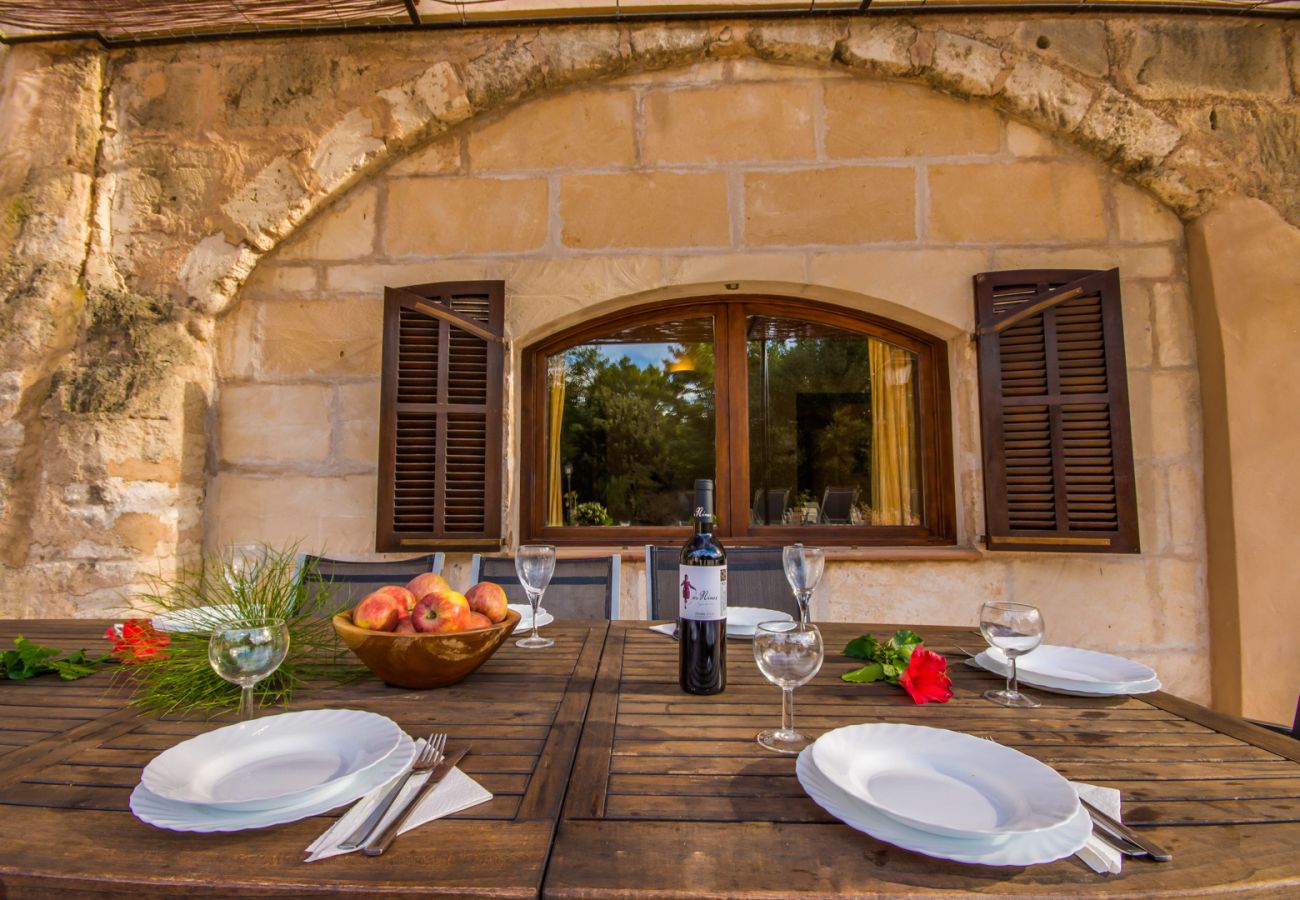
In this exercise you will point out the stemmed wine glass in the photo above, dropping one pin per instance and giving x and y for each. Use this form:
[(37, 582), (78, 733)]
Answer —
[(535, 564), (241, 564), (803, 569), (788, 654), (1015, 629), (246, 652)]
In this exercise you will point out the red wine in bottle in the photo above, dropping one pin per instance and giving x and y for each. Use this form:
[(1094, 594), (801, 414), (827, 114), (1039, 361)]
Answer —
[(702, 619)]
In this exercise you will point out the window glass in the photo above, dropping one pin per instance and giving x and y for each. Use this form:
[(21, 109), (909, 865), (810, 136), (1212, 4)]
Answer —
[(833, 426), (630, 425)]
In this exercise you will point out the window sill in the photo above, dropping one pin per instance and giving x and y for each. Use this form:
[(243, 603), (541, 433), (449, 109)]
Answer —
[(633, 553)]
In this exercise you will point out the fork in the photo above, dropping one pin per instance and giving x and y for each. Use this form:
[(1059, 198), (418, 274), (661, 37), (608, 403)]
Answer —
[(429, 756)]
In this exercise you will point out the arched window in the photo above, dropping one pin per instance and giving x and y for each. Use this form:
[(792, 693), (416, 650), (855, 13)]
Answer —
[(817, 424)]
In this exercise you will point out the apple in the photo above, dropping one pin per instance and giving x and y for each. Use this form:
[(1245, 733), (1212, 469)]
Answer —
[(400, 593), (440, 613), (488, 599), (378, 611), (426, 583), (478, 620), (406, 626)]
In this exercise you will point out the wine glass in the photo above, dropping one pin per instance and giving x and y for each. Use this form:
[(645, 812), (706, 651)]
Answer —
[(788, 654), (535, 564), (241, 564), (246, 652), (803, 569), (1015, 629)]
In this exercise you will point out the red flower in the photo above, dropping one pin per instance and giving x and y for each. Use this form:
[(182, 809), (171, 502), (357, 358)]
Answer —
[(138, 642), (926, 677)]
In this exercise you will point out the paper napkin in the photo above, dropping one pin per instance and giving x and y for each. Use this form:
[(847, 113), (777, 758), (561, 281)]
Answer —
[(1099, 855), (667, 628), (457, 791)]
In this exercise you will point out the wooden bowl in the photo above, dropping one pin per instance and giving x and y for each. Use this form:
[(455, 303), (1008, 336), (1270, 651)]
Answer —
[(423, 660)]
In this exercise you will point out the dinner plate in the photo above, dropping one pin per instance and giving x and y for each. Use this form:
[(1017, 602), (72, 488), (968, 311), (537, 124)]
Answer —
[(163, 813), (743, 621), (1074, 670), (1014, 850), (198, 619), (526, 616), (272, 761), (945, 782)]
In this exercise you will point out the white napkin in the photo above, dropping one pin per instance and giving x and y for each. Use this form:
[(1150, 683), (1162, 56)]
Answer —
[(457, 791), (667, 628), (1099, 855)]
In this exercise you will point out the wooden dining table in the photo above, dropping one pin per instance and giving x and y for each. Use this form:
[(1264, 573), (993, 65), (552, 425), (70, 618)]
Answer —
[(609, 781)]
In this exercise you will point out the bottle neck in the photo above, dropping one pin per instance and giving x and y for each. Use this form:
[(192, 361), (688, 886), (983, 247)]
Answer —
[(703, 524)]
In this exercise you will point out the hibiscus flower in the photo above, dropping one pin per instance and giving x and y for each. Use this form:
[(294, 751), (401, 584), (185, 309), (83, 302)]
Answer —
[(926, 677), (138, 642)]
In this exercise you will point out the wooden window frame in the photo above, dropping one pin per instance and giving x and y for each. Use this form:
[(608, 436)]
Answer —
[(732, 434)]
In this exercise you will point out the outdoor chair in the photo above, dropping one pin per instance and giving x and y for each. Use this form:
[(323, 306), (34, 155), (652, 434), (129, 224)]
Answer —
[(755, 577), (586, 588), (1293, 731), (774, 513), (336, 584), (837, 505)]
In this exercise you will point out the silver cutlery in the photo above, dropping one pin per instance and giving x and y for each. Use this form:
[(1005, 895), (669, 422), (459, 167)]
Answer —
[(379, 843), (428, 757), (1120, 830)]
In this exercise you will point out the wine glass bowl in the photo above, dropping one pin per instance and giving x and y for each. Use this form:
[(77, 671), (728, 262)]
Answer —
[(244, 653), (789, 654), (803, 570), (1015, 629), (535, 564)]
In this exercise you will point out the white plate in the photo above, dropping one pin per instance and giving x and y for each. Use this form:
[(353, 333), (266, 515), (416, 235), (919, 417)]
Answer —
[(743, 621), (273, 761), (163, 813), (1075, 670), (1020, 850), (945, 782), (198, 619), (526, 616)]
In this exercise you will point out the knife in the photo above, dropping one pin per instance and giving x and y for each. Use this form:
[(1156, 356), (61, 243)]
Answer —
[(1119, 829), (379, 843)]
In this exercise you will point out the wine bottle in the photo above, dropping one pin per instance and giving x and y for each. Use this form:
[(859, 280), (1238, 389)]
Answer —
[(702, 618)]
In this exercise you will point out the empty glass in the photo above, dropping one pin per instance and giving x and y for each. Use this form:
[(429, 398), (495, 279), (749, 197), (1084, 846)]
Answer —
[(1015, 629), (788, 654), (240, 566), (803, 569), (247, 652), (535, 564)]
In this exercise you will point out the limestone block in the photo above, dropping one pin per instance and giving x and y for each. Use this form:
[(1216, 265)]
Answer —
[(1025, 141), (356, 422), (345, 149), (1175, 410), (1175, 337), (273, 280), (1186, 510), (659, 45), (866, 118), (582, 129), (709, 71), (1079, 44), (1112, 588), (710, 267), (442, 157), (504, 73), (934, 282), (1051, 258), (546, 295), (166, 96), (1185, 60), (142, 532), (806, 42), (1180, 587), (744, 70), (1183, 673), (949, 593), (965, 65), (843, 205), (432, 216), (1016, 202), (1146, 262), (1140, 217), (327, 515), (269, 205), (879, 46), (237, 342), (1124, 130), (660, 209), (1044, 94), (347, 281), (322, 337), (729, 122), (342, 231), (213, 270), (274, 423), (164, 471), (433, 101), (573, 55), (1139, 332), (1140, 414), (1153, 508)]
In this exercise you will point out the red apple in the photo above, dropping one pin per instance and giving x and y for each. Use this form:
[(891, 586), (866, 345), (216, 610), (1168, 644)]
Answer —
[(426, 583), (400, 593), (489, 599), (437, 613), (478, 620), (378, 611), (406, 626)]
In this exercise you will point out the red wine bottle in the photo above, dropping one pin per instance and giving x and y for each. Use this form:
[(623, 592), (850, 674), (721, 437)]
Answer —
[(702, 619)]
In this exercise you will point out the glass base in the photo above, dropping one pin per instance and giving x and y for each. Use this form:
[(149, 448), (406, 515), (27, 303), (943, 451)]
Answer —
[(780, 741), (534, 643), (1012, 698)]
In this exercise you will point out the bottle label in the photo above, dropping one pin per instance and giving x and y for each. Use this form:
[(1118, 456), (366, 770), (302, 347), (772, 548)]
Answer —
[(703, 592)]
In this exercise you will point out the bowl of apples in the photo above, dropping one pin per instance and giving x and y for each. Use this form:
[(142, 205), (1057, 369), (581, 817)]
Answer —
[(424, 634)]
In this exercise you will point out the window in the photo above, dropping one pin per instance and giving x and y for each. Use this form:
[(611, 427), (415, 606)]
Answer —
[(816, 424)]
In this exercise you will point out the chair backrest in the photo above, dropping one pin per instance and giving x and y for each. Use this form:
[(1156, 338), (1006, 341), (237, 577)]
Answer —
[(837, 505), (755, 577), (777, 501), (584, 588), (336, 584)]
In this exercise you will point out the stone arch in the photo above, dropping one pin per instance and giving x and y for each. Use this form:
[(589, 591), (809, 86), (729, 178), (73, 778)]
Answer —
[(1134, 138)]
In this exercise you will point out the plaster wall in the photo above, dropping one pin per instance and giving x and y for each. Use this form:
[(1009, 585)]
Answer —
[(882, 196)]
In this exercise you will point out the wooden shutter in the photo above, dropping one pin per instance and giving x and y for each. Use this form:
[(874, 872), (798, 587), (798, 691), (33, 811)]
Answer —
[(440, 456), (1054, 412)]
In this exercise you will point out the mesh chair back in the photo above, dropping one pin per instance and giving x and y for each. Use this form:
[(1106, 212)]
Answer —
[(755, 577), (837, 505), (579, 589), (337, 584)]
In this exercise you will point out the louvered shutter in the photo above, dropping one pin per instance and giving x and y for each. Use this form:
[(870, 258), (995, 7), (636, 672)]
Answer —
[(1054, 412), (440, 456)]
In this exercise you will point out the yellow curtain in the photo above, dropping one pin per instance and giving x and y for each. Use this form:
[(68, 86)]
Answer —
[(895, 470), (555, 408)]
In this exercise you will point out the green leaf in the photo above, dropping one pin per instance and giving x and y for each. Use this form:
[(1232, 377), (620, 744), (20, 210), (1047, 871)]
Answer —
[(865, 675), (75, 665), (905, 639), (862, 647), (891, 671)]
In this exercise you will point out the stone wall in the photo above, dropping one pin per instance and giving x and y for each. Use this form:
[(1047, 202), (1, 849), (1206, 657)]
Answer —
[(882, 196)]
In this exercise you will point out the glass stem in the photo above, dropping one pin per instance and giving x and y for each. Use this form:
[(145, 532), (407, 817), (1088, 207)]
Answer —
[(1013, 684), (535, 600), (787, 710), (246, 703), (805, 598)]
